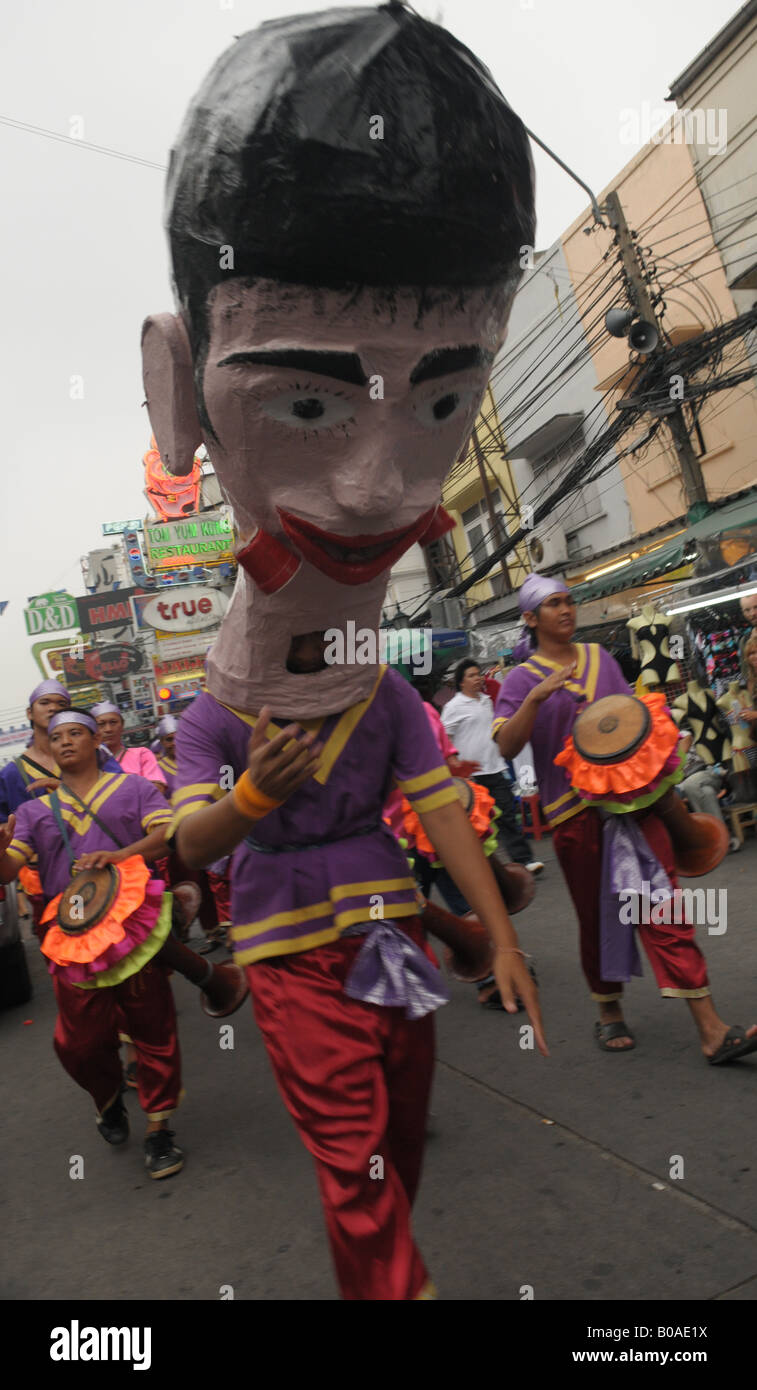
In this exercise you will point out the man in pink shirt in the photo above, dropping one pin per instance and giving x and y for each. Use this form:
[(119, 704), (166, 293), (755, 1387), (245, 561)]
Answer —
[(110, 726)]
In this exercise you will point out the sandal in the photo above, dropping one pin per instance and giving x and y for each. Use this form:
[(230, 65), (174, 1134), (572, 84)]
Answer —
[(735, 1044), (605, 1032)]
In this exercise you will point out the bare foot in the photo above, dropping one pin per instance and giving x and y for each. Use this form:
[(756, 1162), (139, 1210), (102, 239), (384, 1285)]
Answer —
[(717, 1036), (613, 1013)]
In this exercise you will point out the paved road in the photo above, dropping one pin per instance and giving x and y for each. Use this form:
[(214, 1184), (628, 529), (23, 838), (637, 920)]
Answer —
[(549, 1173)]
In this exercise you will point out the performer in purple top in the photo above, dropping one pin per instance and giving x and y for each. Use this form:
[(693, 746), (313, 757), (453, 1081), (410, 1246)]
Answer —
[(334, 366), (96, 818), (538, 703)]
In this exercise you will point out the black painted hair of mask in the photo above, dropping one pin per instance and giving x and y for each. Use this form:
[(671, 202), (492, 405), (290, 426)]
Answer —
[(275, 165), (461, 669)]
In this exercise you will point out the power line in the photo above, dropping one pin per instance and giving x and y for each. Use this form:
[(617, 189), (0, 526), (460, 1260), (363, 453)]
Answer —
[(80, 144)]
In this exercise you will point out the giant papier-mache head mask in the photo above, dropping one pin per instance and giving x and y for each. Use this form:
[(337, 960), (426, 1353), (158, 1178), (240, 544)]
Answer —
[(347, 206)]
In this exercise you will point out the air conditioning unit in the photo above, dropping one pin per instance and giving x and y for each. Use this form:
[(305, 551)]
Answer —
[(547, 548)]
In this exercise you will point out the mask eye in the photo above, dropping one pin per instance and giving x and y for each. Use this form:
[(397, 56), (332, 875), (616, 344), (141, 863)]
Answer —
[(444, 407), (306, 409)]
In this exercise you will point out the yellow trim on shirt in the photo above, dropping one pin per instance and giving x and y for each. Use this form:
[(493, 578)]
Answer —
[(339, 736), (387, 885), (552, 805), (210, 790), (445, 797), (281, 919), (592, 674), (342, 920), (18, 849), (565, 815), (74, 815), (344, 730), (426, 779)]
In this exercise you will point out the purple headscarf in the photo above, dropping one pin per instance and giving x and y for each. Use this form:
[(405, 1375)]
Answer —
[(106, 707), (533, 591), (72, 716), (50, 687)]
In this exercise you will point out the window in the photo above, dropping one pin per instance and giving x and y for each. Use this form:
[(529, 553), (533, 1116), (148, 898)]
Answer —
[(477, 526)]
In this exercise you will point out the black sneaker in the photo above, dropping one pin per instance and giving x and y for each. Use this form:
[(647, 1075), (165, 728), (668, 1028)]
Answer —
[(162, 1157), (113, 1124)]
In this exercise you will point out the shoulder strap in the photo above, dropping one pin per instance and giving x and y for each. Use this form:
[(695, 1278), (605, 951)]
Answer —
[(55, 807), (88, 810), (43, 771)]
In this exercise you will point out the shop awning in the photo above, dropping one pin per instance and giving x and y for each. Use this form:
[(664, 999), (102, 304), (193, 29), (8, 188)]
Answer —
[(634, 573), (741, 512)]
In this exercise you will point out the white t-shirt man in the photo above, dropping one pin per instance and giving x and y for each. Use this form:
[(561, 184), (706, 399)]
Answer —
[(468, 721)]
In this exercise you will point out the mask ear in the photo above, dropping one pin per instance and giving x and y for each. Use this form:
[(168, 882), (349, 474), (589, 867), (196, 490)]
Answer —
[(168, 379)]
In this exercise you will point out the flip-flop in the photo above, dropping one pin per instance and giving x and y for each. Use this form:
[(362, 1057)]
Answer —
[(729, 1050), (605, 1032)]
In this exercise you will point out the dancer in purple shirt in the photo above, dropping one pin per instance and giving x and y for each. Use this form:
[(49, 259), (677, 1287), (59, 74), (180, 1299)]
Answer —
[(538, 703)]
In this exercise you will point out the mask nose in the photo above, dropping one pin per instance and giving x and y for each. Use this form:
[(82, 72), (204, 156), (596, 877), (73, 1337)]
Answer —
[(368, 489)]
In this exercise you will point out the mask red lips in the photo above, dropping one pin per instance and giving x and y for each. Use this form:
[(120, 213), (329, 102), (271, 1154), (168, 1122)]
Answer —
[(352, 559)]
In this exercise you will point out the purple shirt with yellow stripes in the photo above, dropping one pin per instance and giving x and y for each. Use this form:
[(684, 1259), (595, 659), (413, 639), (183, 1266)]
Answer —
[(597, 674), (323, 860), (125, 802)]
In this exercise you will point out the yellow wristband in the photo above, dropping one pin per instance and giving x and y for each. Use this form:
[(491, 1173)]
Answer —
[(251, 802)]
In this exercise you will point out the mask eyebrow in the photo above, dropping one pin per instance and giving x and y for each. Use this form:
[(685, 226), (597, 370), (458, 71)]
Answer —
[(444, 361), (343, 366)]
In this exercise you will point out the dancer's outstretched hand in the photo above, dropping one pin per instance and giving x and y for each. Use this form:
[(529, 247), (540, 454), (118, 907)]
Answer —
[(513, 979), (280, 765)]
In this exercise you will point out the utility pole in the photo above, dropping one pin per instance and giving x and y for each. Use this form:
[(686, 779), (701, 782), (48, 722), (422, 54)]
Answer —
[(691, 472), (494, 520)]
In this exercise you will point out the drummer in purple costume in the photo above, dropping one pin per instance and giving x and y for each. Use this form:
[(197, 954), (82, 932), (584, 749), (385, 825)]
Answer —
[(539, 702), (91, 804)]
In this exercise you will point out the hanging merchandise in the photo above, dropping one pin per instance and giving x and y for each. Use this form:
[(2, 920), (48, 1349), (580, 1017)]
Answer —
[(698, 711), (650, 643)]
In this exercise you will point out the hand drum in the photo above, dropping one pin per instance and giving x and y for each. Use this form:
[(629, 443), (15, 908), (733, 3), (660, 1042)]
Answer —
[(88, 897)]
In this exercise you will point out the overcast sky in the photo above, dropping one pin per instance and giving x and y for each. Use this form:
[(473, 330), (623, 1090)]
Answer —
[(83, 250)]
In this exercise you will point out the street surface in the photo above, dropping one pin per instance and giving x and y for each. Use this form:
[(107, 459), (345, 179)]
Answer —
[(553, 1174)]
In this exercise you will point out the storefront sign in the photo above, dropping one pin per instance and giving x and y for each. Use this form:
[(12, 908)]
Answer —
[(98, 611), (117, 528), (192, 644), (50, 613), (203, 539), (178, 669), (109, 663), (185, 609)]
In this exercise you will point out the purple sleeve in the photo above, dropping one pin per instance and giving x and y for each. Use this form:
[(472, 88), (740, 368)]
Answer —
[(421, 773), (512, 693), (201, 759), (153, 808), (23, 846)]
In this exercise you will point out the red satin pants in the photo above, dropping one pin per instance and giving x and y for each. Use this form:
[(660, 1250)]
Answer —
[(356, 1079), (679, 967), (86, 1039)]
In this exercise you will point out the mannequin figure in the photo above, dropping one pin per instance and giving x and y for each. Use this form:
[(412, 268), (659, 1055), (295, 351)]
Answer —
[(697, 709), (650, 634)]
